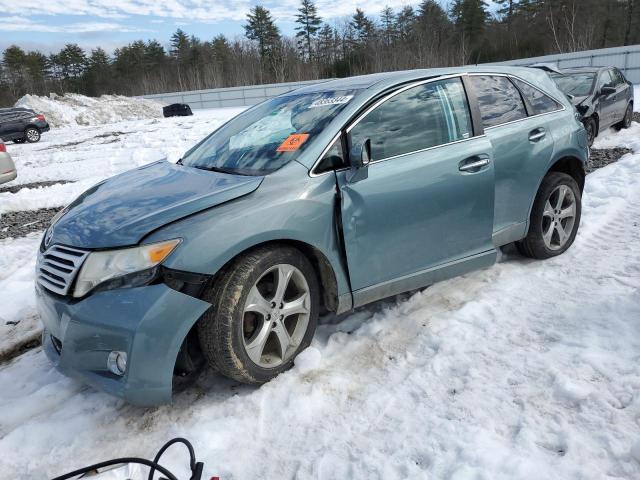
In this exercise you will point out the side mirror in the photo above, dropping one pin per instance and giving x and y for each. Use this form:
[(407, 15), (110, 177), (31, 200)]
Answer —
[(604, 91), (360, 155)]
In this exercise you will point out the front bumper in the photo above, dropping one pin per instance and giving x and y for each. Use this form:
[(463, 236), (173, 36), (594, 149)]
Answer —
[(149, 323)]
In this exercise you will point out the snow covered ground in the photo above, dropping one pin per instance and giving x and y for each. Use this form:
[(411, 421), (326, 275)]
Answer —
[(526, 370)]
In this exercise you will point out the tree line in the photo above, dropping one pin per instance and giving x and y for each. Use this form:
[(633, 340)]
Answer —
[(428, 35)]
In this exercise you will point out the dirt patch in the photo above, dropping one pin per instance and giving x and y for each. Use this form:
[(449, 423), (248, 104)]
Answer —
[(17, 188), (19, 224), (602, 157)]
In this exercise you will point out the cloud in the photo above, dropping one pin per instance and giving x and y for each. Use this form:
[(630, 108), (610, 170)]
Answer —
[(22, 24), (207, 11)]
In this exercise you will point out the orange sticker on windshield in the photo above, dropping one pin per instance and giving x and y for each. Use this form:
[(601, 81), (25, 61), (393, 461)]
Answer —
[(292, 142)]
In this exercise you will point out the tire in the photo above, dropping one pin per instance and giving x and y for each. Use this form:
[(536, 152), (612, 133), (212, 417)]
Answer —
[(18, 140), (32, 134), (242, 334), (548, 214), (626, 121), (591, 127)]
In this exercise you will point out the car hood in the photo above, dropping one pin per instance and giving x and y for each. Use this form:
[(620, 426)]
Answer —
[(124, 209)]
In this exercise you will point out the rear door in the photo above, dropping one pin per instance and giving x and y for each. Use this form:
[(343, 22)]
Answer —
[(426, 198), (522, 145)]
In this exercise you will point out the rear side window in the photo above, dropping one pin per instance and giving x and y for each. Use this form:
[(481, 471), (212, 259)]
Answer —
[(498, 99), (540, 103), (421, 117)]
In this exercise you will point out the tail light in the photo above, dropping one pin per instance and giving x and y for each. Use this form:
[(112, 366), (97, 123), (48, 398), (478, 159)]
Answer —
[(40, 117), (3, 148)]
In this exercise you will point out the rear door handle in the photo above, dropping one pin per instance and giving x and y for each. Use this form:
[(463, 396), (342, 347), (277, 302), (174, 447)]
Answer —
[(474, 164), (537, 135)]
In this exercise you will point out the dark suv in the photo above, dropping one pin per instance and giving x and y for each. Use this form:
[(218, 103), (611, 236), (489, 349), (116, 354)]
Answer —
[(602, 96), (21, 124)]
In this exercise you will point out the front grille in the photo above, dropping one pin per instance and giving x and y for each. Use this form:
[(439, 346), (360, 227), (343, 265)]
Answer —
[(58, 266)]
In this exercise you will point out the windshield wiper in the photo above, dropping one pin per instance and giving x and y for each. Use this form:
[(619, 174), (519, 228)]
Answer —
[(218, 169)]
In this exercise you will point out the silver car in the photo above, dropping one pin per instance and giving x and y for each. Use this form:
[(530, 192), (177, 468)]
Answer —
[(7, 168)]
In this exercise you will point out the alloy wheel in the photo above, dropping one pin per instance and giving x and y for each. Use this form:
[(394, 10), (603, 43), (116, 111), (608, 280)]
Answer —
[(276, 316), (628, 115), (33, 135), (559, 217)]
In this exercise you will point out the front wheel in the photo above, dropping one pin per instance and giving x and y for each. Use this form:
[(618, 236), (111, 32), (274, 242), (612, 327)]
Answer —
[(626, 121), (32, 134), (264, 312), (591, 127), (555, 217)]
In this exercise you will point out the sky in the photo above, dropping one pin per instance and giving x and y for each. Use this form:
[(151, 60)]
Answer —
[(47, 25)]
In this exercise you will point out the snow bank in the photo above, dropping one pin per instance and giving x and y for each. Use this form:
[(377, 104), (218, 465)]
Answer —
[(74, 109)]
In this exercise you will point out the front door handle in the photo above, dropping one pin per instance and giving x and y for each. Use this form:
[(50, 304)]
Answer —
[(537, 135), (474, 164)]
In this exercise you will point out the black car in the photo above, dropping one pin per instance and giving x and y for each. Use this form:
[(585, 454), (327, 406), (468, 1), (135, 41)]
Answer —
[(21, 124), (177, 110), (602, 96)]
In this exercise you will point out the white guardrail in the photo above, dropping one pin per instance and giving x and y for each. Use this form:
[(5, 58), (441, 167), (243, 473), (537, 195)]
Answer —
[(627, 59)]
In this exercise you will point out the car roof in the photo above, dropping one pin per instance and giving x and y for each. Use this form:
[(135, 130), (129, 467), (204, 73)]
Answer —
[(582, 69), (15, 109), (380, 81)]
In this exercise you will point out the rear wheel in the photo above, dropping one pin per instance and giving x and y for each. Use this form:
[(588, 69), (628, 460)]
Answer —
[(32, 134), (555, 217), (626, 121), (591, 127), (264, 312)]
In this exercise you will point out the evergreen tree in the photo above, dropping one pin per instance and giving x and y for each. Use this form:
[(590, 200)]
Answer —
[(261, 28), (388, 25), (363, 27), (179, 44), (308, 26), (470, 17), (405, 22)]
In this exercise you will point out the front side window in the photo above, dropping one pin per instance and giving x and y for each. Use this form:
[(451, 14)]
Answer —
[(574, 84), (498, 99), (421, 117), (617, 76), (540, 103), (268, 136), (606, 80)]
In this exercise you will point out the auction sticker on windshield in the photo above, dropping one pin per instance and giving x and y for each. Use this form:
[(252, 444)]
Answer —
[(331, 101), (293, 142)]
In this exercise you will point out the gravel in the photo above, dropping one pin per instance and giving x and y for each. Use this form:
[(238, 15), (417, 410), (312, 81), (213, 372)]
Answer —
[(17, 188), (19, 224), (602, 157)]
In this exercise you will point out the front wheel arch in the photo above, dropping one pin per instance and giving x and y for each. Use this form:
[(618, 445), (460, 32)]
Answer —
[(321, 265)]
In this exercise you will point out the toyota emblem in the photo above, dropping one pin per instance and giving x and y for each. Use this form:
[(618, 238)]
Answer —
[(47, 237)]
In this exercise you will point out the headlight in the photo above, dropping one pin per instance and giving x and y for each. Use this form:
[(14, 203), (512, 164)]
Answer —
[(102, 266)]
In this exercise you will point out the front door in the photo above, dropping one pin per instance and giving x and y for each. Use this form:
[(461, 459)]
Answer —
[(607, 101), (427, 197)]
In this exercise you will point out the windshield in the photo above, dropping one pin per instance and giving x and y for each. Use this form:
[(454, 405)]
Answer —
[(268, 136), (575, 84)]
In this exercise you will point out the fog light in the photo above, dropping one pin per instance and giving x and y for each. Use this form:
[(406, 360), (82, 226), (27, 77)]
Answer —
[(117, 362)]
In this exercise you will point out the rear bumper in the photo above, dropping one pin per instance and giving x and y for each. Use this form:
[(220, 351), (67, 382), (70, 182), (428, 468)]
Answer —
[(148, 323), (8, 176)]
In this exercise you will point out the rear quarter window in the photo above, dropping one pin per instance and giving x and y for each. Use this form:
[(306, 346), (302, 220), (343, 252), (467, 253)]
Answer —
[(499, 100), (539, 102)]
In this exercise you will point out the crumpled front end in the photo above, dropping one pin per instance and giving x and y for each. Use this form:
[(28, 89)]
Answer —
[(147, 323)]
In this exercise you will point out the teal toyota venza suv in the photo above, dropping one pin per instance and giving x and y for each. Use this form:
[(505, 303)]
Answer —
[(320, 200)]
